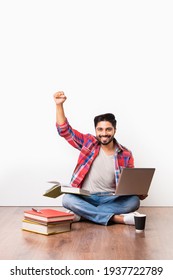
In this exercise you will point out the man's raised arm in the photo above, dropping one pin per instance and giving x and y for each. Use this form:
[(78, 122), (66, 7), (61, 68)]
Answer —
[(59, 98), (74, 137)]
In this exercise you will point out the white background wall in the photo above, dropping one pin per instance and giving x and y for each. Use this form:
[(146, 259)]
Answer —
[(108, 56)]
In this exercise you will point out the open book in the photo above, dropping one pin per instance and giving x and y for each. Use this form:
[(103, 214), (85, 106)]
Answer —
[(59, 189)]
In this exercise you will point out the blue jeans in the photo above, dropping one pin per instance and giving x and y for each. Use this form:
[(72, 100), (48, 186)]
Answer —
[(100, 208)]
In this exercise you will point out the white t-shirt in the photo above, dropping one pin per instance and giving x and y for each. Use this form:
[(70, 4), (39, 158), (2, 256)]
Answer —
[(101, 176)]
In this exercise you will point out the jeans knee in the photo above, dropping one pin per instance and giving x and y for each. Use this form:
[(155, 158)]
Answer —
[(133, 204), (66, 200)]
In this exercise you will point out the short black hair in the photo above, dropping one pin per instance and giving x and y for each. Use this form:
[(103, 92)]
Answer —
[(105, 117)]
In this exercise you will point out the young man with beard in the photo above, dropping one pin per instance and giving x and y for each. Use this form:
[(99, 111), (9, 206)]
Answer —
[(98, 168)]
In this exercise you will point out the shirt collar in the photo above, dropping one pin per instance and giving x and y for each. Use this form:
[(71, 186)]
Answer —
[(119, 148)]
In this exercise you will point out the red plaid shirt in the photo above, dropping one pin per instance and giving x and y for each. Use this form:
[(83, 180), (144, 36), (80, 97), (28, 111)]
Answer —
[(89, 148)]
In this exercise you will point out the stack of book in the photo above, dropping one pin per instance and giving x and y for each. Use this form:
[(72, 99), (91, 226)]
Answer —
[(47, 221)]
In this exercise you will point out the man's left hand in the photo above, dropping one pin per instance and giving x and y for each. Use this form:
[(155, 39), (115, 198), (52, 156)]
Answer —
[(142, 197)]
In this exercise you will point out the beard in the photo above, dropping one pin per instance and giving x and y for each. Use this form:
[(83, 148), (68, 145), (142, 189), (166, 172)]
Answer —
[(106, 139)]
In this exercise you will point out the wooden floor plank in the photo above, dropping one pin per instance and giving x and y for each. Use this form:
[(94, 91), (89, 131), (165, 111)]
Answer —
[(88, 241)]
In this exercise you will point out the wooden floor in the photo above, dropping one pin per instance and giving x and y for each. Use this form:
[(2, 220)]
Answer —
[(88, 241)]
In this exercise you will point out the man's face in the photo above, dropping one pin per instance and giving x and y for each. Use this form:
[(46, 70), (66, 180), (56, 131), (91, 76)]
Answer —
[(105, 132)]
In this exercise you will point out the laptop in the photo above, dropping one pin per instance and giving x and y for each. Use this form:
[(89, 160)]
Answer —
[(134, 181)]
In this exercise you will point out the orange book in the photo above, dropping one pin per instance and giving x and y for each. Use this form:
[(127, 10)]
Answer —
[(48, 215)]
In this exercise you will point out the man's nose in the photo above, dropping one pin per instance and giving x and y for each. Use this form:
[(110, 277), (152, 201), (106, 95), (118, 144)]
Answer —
[(104, 132)]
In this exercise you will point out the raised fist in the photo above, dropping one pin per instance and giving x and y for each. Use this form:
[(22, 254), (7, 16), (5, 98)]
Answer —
[(59, 97)]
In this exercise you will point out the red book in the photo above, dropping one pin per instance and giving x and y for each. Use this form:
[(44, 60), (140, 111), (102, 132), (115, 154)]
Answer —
[(48, 215)]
